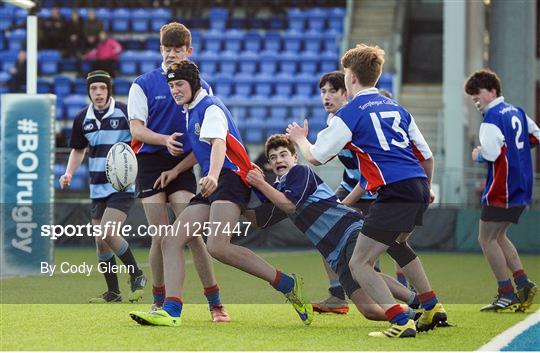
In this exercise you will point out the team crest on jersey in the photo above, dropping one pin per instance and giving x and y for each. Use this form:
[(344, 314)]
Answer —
[(114, 123), (88, 126), (197, 129)]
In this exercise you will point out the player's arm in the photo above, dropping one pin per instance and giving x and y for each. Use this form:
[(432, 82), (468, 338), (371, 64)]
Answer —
[(256, 179), (491, 142), (167, 176), (329, 142), (422, 152), (354, 196), (534, 132), (75, 160)]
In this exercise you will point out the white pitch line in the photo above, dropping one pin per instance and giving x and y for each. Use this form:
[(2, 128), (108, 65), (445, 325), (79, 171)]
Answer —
[(503, 339)]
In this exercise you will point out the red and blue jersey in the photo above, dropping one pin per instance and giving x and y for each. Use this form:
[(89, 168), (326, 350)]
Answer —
[(208, 118), (150, 101), (382, 135), (506, 136)]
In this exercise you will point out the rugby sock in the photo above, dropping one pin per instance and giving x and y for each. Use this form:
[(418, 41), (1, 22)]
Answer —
[(520, 278), (212, 295), (337, 291), (413, 301), (159, 295), (283, 282), (173, 306), (506, 288), (396, 315), (106, 261), (125, 254), (400, 276), (428, 300)]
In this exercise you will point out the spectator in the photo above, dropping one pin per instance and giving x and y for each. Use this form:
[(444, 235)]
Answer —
[(53, 29), (17, 81), (74, 32), (91, 29), (105, 54)]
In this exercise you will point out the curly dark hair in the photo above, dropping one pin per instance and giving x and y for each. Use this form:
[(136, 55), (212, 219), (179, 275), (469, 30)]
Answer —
[(279, 140), (484, 78)]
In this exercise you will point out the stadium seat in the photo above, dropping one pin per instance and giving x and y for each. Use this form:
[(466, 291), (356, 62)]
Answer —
[(121, 86), (212, 40), (105, 15), (44, 12), (128, 62), (252, 41), (331, 41), (278, 111), (74, 103), (236, 23), (272, 42), (62, 85), (305, 84), (243, 86), (296, 19), (9, 58), (386, 82), (313, 41), (253, 130), (275, 126), (48, 61), (329, 62), (4, 77), (268, 62), (256, 23), (277, 23), (160, 16), (263, 85), (316, 19), (287, 63), (284, 85), (6, 18), (149, 60), (80, 86), (258, 111), (16, 39), (2, 42), (233, 41), (152, 43), (120, 20), (196, 41), (248, 63), (83, 13), (227, 62), (336, 18), (292, 41), (309, 62), (140, 20), (208, 62), (239, 112), (20, 16), (218, 18), (70, 64)]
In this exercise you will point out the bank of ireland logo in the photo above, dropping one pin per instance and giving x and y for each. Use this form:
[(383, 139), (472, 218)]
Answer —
[(114, 123), (197, 129)]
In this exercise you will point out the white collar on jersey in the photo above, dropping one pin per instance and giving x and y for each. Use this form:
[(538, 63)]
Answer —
[(493, 103), (163, 67), (202, 93), (366, 91), (90, 113)]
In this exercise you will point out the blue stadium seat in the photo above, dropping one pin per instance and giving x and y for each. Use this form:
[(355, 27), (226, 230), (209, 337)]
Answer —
[(252, 41), (74, 103), (121, 86), (6, 17), (248, 63), (152, 43), (80, 86), (149, 60), (263, 85), (120, 20), (313, 41), (335, 19), (284, 85), (234, 40), (277, 23), (293, 41), (258, 111), (140, 20), (316, 19), (309, 62), (20, 16), (60, 107), (128, 63), (253, 130), (160, 16), (9, 58), (236, 23), (4, 77), (16, 39), (278, 111), (83, 13), (268, 62), (296, 19), (105, 15), (2, 42), (272, 42), (238, 111), (65, 12), (305, 85), (255, 23), (208, 62), (197, 41), (287, 63), (212, 40), (275, 126), (227, 62), (243, 86), (329, 61), (62, 85), (218, 18), (44, 12), (48, 61), (386, 82), (70, 64)]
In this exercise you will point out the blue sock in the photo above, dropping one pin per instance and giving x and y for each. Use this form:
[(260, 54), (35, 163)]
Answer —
[(396, 315), (520, 278), (506, 288), (283, 282), (173, 306), (402, 279), (212, 295), (428, 300)]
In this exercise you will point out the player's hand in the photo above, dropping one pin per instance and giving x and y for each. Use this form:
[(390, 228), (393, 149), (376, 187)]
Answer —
[(174, 147), (256, 167), (432, 196), (164, 179), (65, 181), (347, 201), (475, 152), (208, 185), (297, 132), (255, 177)]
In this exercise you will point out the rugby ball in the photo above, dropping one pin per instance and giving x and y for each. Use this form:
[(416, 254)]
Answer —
[(121, 166)]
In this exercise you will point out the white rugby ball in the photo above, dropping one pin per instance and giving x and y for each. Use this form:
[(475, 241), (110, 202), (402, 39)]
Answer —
[(121, 166)]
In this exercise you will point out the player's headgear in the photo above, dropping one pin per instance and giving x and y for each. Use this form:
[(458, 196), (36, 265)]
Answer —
[(188, 71), (99, 76)]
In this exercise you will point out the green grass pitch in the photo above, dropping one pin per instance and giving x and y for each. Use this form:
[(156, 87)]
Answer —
[(49, 313)]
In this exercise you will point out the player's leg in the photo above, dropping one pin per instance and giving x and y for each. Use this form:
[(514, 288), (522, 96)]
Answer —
[(506, 299), (400, 275), (526, 290), (336, 302), (155, 209), (202, 261)]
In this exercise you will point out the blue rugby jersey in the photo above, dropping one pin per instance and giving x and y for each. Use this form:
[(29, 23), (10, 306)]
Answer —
[(326, 222), (506, 135), (99, 136), (383, 136), (207, 117), (150, 100)]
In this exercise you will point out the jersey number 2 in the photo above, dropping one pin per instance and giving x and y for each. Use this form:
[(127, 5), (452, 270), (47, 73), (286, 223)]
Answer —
[(395, 126), (516, 123)]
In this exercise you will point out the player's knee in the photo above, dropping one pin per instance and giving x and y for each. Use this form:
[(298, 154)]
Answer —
[(216, 250), (402, 253)]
